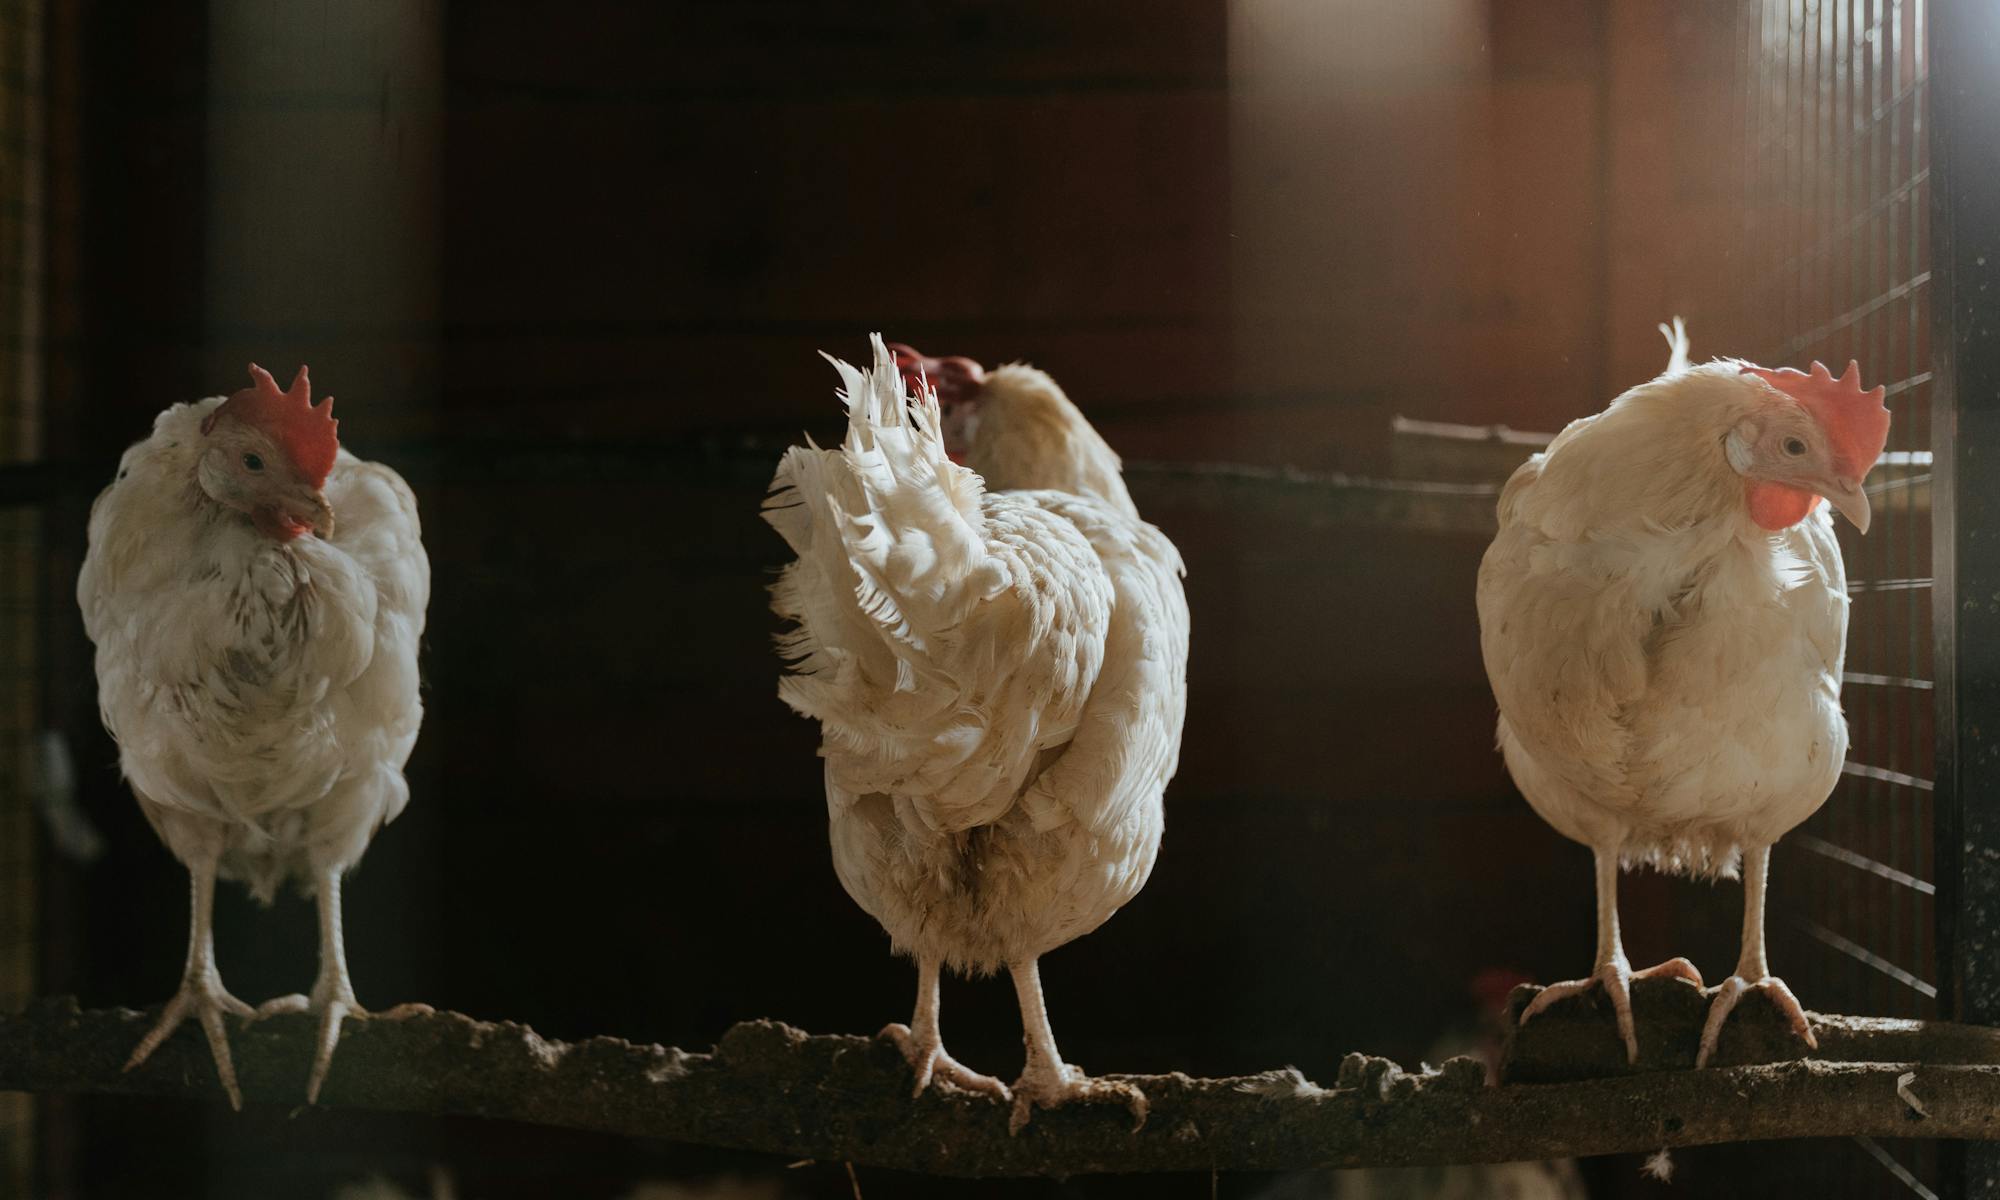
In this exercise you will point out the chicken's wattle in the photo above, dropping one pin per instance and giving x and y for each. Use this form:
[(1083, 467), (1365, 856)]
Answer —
[(1777, 506)]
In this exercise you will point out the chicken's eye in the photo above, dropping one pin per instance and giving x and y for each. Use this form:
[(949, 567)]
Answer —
[(1794, 446), (253, 462)]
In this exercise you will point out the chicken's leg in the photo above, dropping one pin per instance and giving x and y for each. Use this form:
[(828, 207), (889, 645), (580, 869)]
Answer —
[(201, 994), (922, 1043), (1753, 973), (1047, 1080), (333, 992), (1614, 971)]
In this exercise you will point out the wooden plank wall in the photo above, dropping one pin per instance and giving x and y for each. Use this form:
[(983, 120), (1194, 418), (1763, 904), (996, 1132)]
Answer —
[(738, 186), (23, 124)]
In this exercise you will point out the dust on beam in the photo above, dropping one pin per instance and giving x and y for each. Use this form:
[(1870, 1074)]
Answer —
[(771, 1088)]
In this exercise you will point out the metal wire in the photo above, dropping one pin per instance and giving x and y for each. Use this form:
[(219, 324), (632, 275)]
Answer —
[(1836, 265)]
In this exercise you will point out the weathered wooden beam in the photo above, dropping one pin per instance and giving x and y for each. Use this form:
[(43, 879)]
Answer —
[(1576, 1039), (771, 1088)]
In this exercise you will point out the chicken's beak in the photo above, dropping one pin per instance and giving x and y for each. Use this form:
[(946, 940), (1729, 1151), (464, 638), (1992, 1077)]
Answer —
[(1850, 498), (309, 508)]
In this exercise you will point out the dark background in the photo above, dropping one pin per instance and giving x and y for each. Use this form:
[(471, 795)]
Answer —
[(567, 267)]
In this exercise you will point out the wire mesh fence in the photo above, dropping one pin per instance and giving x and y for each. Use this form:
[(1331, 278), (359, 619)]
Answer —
[(1835, 265)]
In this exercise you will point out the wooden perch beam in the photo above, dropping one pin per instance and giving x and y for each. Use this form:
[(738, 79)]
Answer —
[(771, 1088), (1577, 1039)]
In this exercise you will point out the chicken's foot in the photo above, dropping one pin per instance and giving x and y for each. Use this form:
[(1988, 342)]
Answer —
[(1615, 977), (1734, 988), (1753, 971), (201, 993), (333, 991), (923, 1044), (1614, 971), (1047, 1081)]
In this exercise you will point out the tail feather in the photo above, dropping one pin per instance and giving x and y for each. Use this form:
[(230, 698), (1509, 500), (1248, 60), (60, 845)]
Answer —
[(891, 543), (1677, 346)]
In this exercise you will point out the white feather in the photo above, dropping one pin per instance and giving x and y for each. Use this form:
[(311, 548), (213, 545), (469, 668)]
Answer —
[(1668, 673), (263, 693), (1677, 346), (1000, 677)]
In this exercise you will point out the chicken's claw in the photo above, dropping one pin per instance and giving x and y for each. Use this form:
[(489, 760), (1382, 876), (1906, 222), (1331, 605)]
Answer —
[(1673, 968), (203, 997), (1041, 1088), (931, 1062), (1734, 988), (333, 1010), (1615, 978)]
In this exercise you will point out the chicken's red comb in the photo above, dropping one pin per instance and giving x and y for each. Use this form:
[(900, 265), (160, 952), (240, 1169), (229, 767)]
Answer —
[(305, 432), (1856, 422), (953, 378)]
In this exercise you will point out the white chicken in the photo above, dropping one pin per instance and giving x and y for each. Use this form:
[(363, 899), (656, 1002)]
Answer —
[(258, 668), (1663, 617), (997, 657)]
